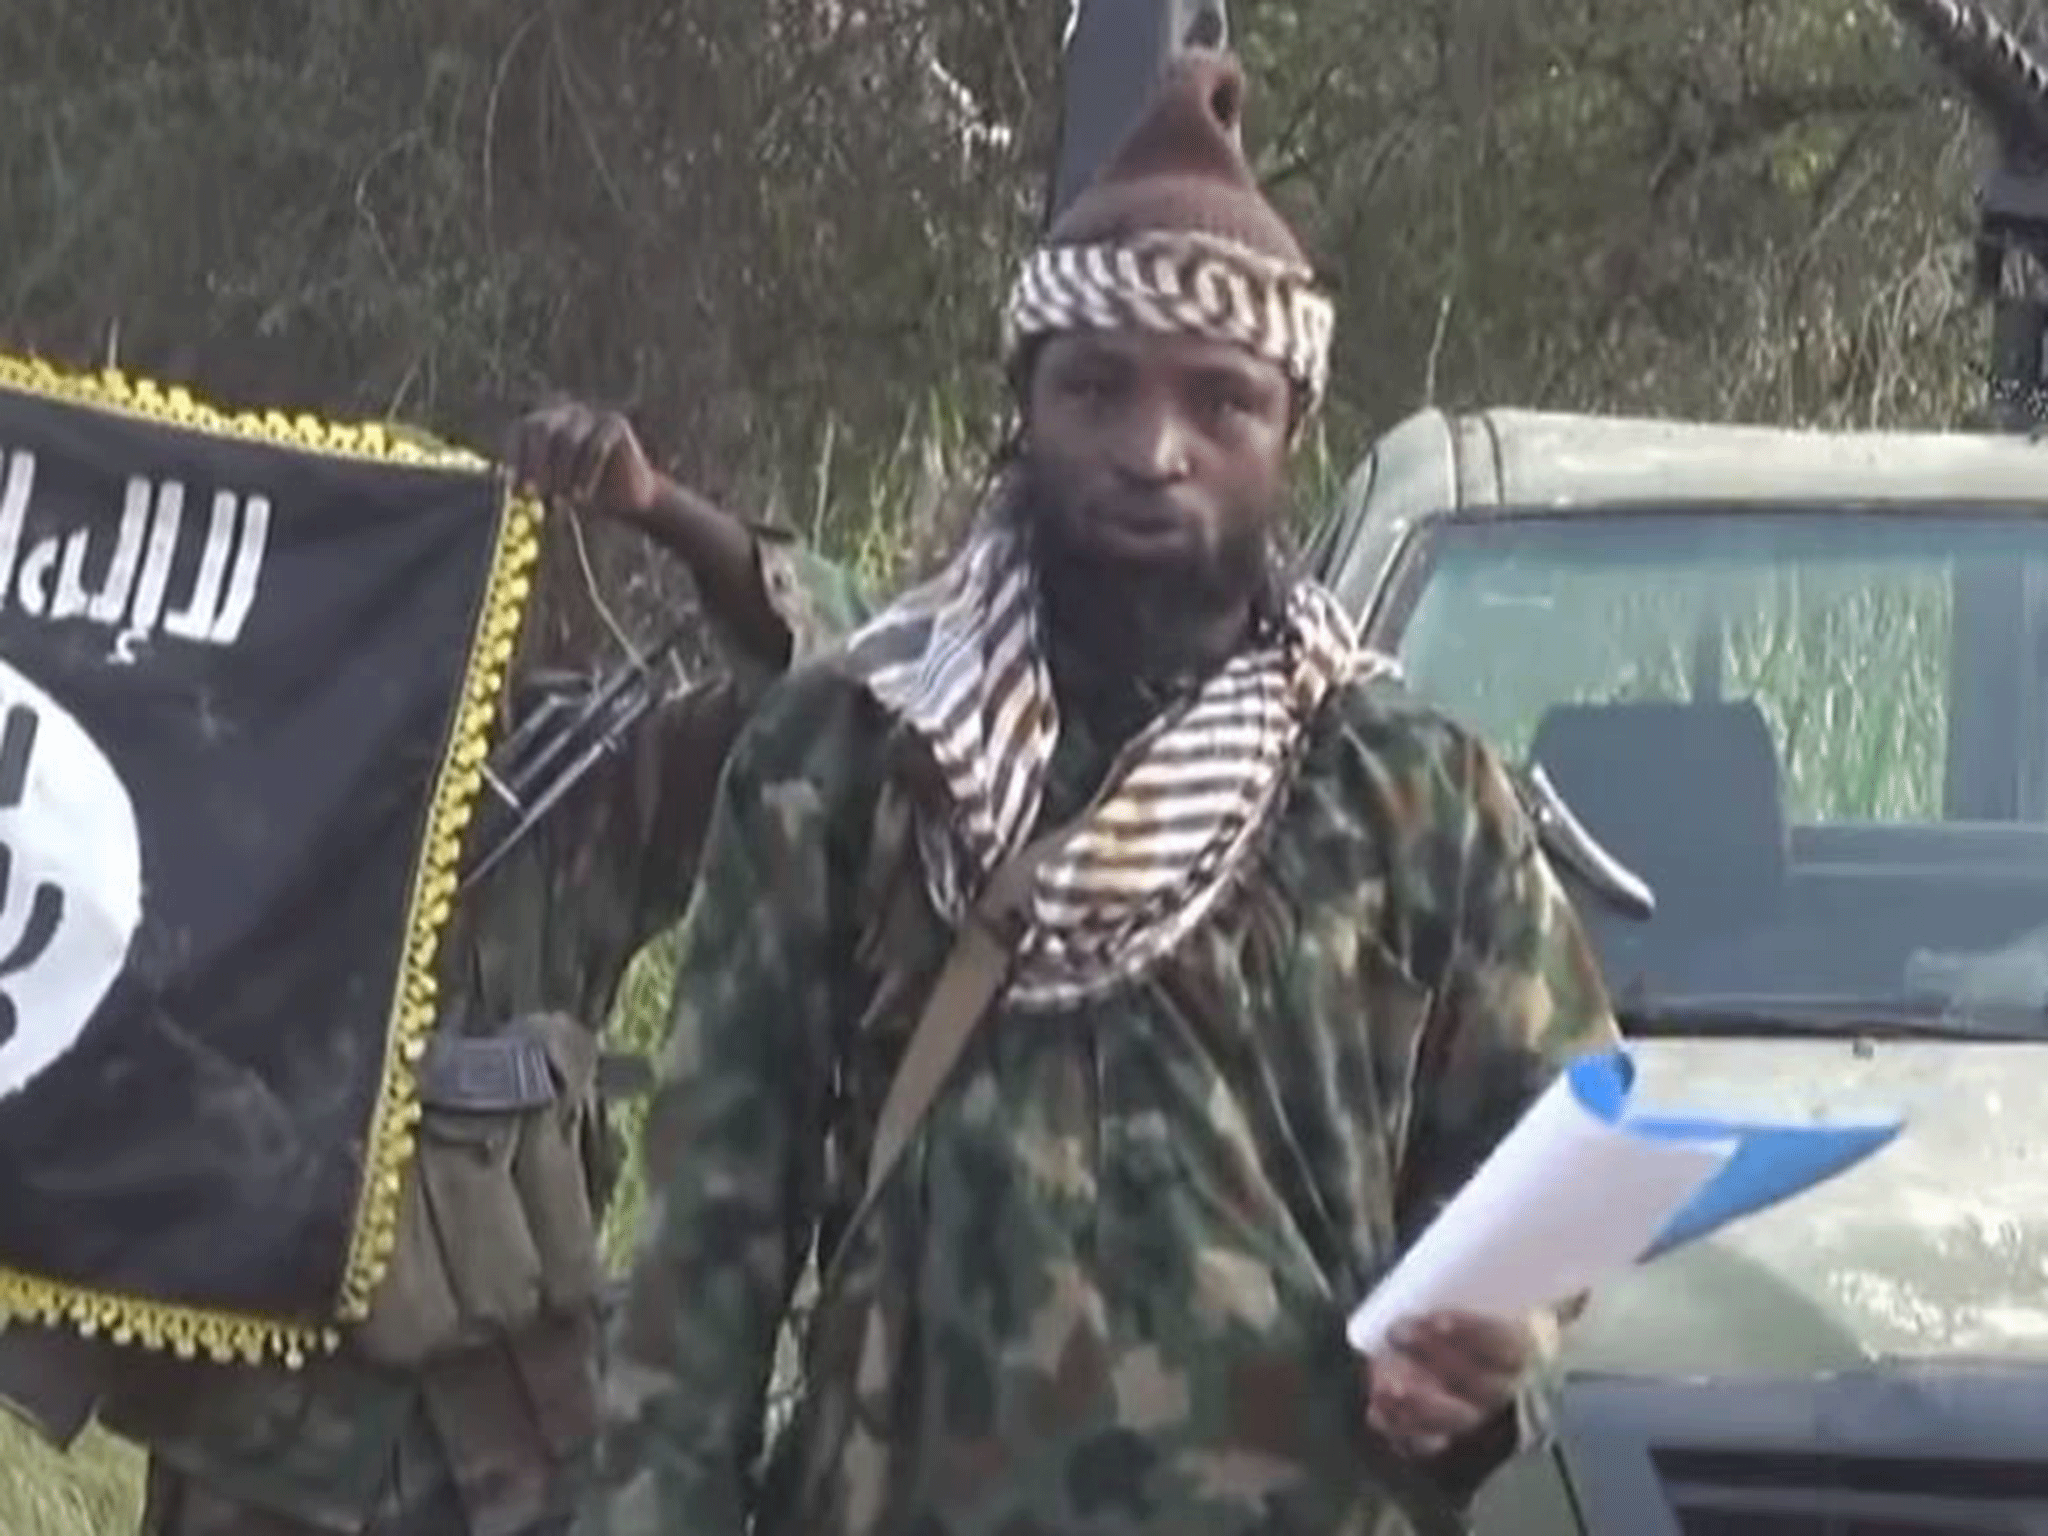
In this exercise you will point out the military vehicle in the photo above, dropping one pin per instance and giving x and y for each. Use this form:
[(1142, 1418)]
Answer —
[(1797, 681)]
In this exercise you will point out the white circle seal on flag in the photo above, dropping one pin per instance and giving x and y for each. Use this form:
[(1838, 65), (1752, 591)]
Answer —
[(70, 879)]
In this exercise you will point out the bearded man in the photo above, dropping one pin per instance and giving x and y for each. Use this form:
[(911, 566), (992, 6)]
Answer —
[(1110, 970)]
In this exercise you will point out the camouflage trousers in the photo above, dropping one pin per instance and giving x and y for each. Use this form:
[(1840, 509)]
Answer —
[(493, 1441)]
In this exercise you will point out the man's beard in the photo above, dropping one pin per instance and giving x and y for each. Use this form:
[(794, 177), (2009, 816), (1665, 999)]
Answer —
[(1156, 619)]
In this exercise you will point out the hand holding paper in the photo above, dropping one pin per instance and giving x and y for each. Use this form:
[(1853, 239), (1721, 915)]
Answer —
[(1581, 1190)]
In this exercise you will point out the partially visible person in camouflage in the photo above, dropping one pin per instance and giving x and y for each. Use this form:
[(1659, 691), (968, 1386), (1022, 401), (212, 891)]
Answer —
[(1289, 968), (440, 1421)]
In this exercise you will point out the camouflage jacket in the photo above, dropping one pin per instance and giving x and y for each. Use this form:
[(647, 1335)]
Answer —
[(552, 928), (1106, 1291)]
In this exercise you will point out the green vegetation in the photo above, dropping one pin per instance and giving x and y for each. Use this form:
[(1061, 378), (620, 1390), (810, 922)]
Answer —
[(1856, 694), (639, 1023), (95, 1491)]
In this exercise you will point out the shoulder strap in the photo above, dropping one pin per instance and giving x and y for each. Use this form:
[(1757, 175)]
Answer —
[(960, 999)]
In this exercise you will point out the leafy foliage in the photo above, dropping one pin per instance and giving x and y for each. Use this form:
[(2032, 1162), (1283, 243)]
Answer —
[(1750, 211)]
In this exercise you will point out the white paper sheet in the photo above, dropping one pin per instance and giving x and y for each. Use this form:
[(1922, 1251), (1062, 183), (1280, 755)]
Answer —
[(1567, 1198)]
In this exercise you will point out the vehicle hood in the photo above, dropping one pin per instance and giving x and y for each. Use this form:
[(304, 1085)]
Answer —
[(1937, 1245)]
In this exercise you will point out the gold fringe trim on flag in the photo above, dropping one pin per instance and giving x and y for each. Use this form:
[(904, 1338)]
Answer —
[(170, 405), (192, 1332), (391, 1138)]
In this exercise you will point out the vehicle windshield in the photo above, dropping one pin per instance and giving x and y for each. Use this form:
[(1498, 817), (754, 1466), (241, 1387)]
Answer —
[(1821, 737)]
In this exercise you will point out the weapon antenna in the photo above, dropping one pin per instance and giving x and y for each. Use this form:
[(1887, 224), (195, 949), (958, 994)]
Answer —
[(2007, 85)]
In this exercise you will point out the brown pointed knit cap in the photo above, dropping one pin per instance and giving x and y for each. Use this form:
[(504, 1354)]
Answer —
[(1174, 235), (1182, 167)]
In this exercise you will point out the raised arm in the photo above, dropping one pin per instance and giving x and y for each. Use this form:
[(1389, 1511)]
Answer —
[(770, 601)]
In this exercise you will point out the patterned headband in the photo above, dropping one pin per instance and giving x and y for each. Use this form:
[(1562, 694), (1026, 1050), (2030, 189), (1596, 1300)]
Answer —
[(1178, 284)]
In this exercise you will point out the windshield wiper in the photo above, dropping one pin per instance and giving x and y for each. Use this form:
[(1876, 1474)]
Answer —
[(1740, 1016)]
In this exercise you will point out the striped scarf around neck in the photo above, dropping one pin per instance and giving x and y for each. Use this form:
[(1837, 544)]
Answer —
[(962, 663)]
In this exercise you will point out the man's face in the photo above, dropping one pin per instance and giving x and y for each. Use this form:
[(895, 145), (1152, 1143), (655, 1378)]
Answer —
[(1164, 453)]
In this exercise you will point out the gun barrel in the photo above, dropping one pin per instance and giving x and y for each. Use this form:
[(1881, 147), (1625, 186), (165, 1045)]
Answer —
[(2002, 78), (554, 759), (1113, 53)]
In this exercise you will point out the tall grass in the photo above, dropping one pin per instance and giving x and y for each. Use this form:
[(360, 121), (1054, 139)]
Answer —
[(1848, 669), (95, 1491), (1856, 693)]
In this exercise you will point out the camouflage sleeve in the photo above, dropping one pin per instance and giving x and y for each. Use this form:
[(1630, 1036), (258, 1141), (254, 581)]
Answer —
[(1520, 997), (675, 782), (732, 1155), (819, 601)]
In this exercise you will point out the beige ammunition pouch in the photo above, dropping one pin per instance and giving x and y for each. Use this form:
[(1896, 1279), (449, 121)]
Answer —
[(498, 1225)]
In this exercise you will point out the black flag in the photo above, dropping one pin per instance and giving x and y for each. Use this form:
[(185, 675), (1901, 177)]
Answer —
[(247, 670)]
